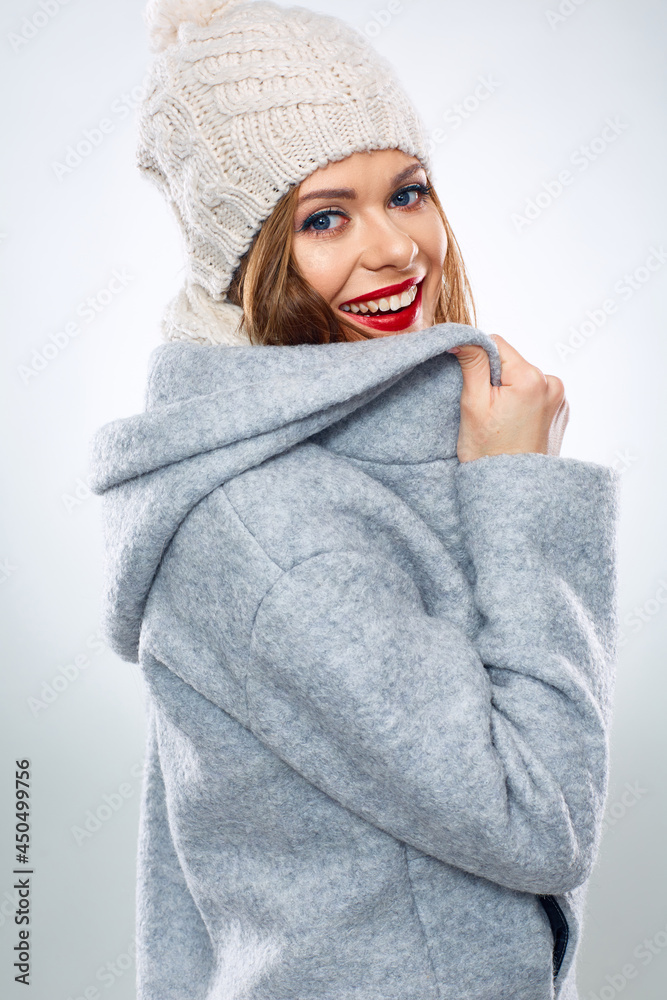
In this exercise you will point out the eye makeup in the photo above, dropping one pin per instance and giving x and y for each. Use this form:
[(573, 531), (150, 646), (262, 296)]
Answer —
[(422, 189)]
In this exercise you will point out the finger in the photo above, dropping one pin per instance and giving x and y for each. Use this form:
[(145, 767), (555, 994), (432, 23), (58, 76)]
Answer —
[(513, 365), (555, 387), (475, 366)]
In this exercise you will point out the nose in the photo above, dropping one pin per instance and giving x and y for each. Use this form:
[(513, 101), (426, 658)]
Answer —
[(385, 244)]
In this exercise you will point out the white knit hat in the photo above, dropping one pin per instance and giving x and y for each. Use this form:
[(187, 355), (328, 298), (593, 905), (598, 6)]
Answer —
[(245, 99)]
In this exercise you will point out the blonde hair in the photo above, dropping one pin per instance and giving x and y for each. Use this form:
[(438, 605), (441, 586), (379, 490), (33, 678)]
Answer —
[(280, 307)]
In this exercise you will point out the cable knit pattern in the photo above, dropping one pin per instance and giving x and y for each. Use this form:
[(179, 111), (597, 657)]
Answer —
[(193, 315), (245, 100)]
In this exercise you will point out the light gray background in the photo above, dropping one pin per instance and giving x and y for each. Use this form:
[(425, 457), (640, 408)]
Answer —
[(554, 85)]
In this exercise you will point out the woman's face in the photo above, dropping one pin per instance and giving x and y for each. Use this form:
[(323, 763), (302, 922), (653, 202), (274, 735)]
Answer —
[(369, 239)]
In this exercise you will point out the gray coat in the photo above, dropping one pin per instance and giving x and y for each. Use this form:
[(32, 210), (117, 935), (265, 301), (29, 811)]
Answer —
[(379, 680)]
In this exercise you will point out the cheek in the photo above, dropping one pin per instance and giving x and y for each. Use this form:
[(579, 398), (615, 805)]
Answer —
[(432, 241), (324, 267)]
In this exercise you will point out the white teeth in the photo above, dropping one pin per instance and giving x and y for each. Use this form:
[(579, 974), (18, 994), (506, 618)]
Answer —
[(392, 304)]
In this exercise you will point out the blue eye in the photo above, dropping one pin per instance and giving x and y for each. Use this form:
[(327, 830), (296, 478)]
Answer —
[(404, 193), (320, 222)]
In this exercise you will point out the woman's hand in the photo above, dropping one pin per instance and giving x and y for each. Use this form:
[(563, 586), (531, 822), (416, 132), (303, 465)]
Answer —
[(528, 412)]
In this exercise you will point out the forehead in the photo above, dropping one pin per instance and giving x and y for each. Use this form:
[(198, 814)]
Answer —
[(375, 164)]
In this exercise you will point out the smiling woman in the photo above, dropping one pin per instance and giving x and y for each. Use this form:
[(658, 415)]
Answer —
[(349, 237)]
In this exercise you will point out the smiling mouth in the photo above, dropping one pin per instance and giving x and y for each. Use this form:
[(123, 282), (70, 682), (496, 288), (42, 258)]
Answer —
[(388, 312), (384, 304)]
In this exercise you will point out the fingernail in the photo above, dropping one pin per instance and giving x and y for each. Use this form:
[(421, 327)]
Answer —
[(453, 350)]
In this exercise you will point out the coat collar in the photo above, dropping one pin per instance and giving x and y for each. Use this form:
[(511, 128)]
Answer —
[(213, 413), (414, 421)]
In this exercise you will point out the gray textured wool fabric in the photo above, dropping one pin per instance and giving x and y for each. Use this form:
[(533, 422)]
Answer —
[(379, 681)]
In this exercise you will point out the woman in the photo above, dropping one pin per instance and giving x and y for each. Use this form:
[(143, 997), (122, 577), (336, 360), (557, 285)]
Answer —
[(373, 606)]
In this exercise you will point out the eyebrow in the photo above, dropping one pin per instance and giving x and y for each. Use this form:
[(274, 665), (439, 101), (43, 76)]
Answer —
[(351, 193)]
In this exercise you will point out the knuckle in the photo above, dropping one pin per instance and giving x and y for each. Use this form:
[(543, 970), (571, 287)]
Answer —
[(557, 386), (534, 379)]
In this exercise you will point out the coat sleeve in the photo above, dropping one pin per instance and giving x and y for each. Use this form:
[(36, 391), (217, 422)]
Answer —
[(489, 753)]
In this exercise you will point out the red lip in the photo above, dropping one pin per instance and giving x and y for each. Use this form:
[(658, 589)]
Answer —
[(383, 293), (390, 322)]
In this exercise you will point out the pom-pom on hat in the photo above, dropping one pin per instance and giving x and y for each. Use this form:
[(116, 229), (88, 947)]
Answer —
[(245, 99)]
